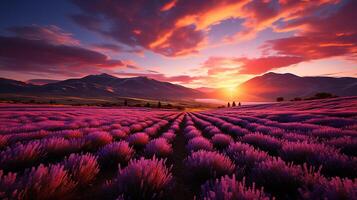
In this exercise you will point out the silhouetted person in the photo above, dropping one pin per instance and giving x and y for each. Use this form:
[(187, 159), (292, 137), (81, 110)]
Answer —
[(234, 104), (147, 105), (228, 105), (239, 104), (159, 104), (125, 102)]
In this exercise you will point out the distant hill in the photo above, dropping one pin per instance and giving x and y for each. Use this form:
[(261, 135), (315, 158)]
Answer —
[(272, 85), (41, 81), (102, 86)]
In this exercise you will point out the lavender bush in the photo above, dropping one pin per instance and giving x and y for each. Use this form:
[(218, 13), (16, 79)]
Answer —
[(115, 153), (204, 165), (138, 140), (144, 179), (263, 142), (228, 188), (52, 182), (158, 147), (221, 141), (21, 156), (278, 177), (199, 143), (83, 168)]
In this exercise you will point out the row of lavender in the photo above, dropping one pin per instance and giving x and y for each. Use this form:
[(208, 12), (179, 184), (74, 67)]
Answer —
[(46, 154), (288, 160)]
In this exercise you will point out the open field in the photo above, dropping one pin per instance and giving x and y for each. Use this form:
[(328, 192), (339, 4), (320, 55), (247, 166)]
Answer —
[(292, 150), (105, 102)]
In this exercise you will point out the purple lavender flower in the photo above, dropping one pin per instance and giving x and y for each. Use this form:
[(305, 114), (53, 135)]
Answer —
[(204, 165), (138, 140), (228, 188), (144, 179), (115, 153), (221, 141), (50, 182), (278, 177), (199, 143), (21, 156), (263, 142), (169, 135), (83, 168), (98, 139), (335, 189), (158, 147)]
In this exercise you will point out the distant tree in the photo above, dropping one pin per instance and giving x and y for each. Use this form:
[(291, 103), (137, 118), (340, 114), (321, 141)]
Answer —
[(125, 102), (324, 95), (234, 104), (239, 104), (180, 107), (147, 105), (159, 104), (296, 99), (228, 105), (279, 99)]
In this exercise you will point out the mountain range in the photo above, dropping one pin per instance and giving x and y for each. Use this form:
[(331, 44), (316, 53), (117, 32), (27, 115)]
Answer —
[(102, 86), (261, 88), (272, 85)]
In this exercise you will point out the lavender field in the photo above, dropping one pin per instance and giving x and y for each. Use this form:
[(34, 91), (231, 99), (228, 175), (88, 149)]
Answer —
[(294, 150)]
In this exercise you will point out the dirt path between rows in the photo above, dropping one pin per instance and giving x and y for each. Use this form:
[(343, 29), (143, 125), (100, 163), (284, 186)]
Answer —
[(181, 190)]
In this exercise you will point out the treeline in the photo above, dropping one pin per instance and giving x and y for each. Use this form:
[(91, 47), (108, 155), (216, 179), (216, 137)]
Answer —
[(320, 95)]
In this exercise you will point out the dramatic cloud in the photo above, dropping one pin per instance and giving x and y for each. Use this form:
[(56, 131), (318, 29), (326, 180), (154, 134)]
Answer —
[(321, 37), (264, 64), (180, 27), (171, 28), (260, 15), (317, 37), (52, 51)]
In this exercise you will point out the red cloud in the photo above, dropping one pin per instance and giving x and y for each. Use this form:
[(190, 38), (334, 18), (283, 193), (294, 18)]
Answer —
[(171, 28), (317, 36), (321, 37), (264, 64), (235, 65), (175, 28)]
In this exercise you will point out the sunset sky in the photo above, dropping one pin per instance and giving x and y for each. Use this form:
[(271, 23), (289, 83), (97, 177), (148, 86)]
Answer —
[(211, 43)]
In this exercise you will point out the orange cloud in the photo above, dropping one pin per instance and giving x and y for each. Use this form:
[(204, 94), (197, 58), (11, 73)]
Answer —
[(168, 6)]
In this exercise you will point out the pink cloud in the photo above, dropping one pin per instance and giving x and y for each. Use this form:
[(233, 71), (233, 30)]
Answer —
[(264, 64), (243, 65), (321, 37), (50, 50)]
